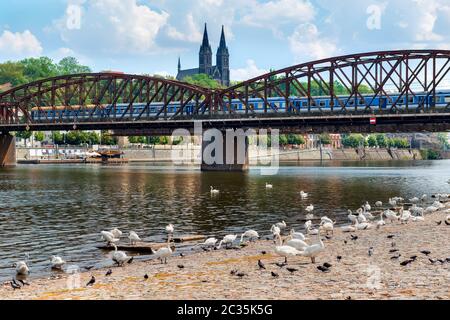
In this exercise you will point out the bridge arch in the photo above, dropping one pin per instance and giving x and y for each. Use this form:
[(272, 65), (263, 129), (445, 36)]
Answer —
[(115, 96), (393, 79)]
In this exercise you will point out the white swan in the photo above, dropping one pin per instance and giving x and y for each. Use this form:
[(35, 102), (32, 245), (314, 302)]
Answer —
[(133, 236), (361, 217), (414, 200), (109, 237), (367, 206), (378, 204), (210, 242), (431, 209), (391, 216), (296, 243), (285, 251), (269, 186), (309, 229), (21, 268), (251, 234), (314, 250), (405, 215), (164, 253), (297, 235), (350, 228), (380, 222), (281, 225), (352, 217), (116, 233), (227, 240), (309, 216), (392, 202), (325, 219), (57, 262), (170, 229), (119, 257), (303, 195), (309, 208), (327, 226), (363, 226), (275, 230), (214, 191)]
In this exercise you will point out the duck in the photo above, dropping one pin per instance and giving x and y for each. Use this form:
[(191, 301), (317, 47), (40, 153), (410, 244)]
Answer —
[(133, 236), (109, 237), (119, 257), (57, 262), (314, 250), (251, 234), (269, 186), (22, 268), (214, 191), (303, 195), (116, 233), (284, 250), (297, 235), (227, 240)]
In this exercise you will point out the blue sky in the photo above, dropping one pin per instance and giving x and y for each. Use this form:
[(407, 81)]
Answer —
[(147, 36)]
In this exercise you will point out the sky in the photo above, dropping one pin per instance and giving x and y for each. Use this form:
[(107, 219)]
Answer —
[(148, 36)]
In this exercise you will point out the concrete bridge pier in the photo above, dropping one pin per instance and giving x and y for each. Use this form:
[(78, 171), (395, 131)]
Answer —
[(225, 151), (7, 150)]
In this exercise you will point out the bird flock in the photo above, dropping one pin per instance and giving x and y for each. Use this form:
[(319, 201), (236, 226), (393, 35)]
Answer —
[(309, 244)]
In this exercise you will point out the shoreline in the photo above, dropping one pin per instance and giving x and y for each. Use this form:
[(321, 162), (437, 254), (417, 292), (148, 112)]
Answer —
[(206, 275)]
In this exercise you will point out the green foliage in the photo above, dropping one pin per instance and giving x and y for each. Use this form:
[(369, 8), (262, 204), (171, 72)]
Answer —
[(58, 137), (372, 141), (82, 137), (12, 72), (24, 134), (325, 139), (138, 139), (203, 80), (283, 140), (70, 65), (295, 139), (107, 139), (353, 141), (382, 140), (428, 154), (443, 140), (400, 143), (39, 136)]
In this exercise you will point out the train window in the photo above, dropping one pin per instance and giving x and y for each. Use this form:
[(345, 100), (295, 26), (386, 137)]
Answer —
[(351, 102), (447, 99), (313, 103), (362, 102), (401, 101), (411, 99), (304, 103), (322, 103)]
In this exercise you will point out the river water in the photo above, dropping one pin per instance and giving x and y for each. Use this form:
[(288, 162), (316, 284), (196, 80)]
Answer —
[(61, 209)]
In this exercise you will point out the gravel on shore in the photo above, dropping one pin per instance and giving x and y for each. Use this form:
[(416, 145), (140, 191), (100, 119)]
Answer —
[(206, 275)]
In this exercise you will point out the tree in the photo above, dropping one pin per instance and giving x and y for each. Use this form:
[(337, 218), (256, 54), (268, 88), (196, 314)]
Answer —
[(58, 137), (107, 139), (24, 135), (153, 140), (38, 68), (353, 141), (372, 141), (382, 141), (295, 139), (70, 65), (12, 72), (325, 139), (283, 140), (39, 136), (203, 80)]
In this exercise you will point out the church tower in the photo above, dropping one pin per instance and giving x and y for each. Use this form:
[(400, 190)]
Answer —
[(223, 60), (205, 55)]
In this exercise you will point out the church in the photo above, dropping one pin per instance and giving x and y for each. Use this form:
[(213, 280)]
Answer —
[(220, 72)]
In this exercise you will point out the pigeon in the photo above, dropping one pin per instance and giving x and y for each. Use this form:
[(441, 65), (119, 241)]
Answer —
[(241, 274), (281, 264), (274, 274), (146, 276), (425, 252), (413, 258), (233, 272), (438, 223), (393, 250), (370, 251), (390, 236), (263, 253), (447, 223), (433, 261), (396, 257), (323, 269), (339, 258), (182, 254), (180, 266), (327, 265), (345, 241), (354, 238), (261, 265), (108, 273), (88, 268), (406, 262), (291, 270), (14, 285), (131, 260), (91, 282), (23, 283)]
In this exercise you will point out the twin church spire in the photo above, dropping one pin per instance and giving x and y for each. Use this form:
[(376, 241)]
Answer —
[(220, 72)]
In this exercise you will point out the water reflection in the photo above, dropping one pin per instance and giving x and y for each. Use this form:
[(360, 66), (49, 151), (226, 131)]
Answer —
[(60, 210)]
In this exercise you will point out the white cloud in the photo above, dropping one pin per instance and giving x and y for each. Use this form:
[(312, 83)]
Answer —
[(191, 34), (248, 72), (19, 45), (279, 12), (115, 26), (307, 43)]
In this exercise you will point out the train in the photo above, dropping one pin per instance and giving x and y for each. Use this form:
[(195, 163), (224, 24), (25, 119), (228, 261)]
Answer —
[(297, 105)]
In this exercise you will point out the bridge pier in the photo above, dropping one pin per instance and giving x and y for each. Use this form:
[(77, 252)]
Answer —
[(225, 151), (7, 150)]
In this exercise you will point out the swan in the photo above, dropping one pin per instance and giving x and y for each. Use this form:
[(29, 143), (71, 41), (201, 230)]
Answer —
[(431, 209), (309, 216), (133, 236), (116, 233), (21, 268), (352, 217), (417, 218), (314, 250), (392, 202), (367, 214), (380, 222), (170, 228), (227, 240), (417, 211), (326, 219), (164, 253), (327, 226), (361, 217), (285, 251), (297, 235), (378, 204), (275, 230), (391, 215), (405, 215), (296, 243), (57, 262), (424, 197), (309, 208), (303, 195), (281, 225), (438, 205), (309, 230), (350, 228), (119, 257), (210, 242), (214, 191), (269, 186), (414, 200), (363, 226), (367, 206), (109, 237), (251, 234)]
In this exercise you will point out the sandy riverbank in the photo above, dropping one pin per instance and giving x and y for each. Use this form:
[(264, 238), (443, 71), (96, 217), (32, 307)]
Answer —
[(206, 275)]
